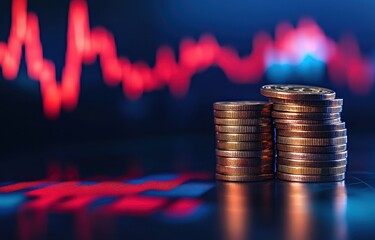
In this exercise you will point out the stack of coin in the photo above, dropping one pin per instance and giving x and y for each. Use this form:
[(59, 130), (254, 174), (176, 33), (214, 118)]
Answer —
[(244, 141), (310, 137)]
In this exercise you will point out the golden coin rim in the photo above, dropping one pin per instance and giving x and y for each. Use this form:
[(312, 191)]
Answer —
[(312, 141), (311, 163), (245, 178), (305, 116), (312, 134), (322, 103), (308, 149), (242, 105), (311, 170), (310, 178)]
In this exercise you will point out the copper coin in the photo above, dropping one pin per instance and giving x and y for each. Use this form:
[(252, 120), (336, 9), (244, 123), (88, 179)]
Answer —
[(311, 127), (244, 129), (311, 141), (297, 92), (310, 178), (312, 134), (311, 171), (228, 170), (305, 116), (242, 106), (245, 154), (244, 178), (303, 121), (311, 149), (311, 163), (244, 162), (244, 137), (242, 114), (323, 103), (313, 156), (243, 121), (305, 109), (244, 145)]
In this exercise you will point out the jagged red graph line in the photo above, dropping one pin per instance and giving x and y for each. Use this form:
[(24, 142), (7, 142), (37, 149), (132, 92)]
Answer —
[(85, 44)]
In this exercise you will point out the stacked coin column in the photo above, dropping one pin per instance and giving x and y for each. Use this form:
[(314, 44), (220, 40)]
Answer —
[(245, 141), (310, 137)]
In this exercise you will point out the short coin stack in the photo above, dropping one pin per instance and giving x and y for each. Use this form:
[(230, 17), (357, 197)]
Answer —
[(244, 141), (310, 137)]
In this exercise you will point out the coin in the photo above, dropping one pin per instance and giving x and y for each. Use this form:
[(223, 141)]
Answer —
[(306, 109), (311, 163), (244, 145), (305, 116), (310, 178), (312, 134), (297, 92), (324, 103), (311, 127), (244, 162), (311, 171), (244, 129), (242, 114), (244, 178), (244, 137), (242, 106), (244, 170), (245, 154), (311, 149), (312, 141), (301, 121), (243, 121), (313, 156)]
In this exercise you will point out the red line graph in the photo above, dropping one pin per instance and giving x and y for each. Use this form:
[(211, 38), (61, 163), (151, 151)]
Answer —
[(84, 44)]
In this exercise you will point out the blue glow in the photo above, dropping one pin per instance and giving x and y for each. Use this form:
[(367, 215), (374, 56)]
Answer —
[(184, 190), (156, 177), (9, 202)]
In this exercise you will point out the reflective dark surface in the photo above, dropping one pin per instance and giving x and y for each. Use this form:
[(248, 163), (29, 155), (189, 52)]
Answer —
[(165, 189)]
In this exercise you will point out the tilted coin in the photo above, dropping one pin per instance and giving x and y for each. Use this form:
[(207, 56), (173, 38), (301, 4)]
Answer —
[(311, 171), (311, 163), (240, 137), (244, 162), (244, 145), (310, 178), (305, 116), (312, 134), (311, 127), (312, 141), (245, 154), (244, 170), (244, 178), (243, 121), (242, 114), (297, 92), (244, 129), (305, 109), (242, 106), (323, 103), (302, 121), (313, 156), (311, 149)]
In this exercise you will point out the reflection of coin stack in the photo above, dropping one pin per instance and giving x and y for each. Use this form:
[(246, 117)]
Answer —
[(244, 135), (311, 139)]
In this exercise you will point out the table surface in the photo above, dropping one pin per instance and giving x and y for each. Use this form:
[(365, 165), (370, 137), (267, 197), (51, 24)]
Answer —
[(164, 188)]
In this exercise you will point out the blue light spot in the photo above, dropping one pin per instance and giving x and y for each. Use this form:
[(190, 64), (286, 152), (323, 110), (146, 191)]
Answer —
[(158, 177), (9, 202), (185, 190)]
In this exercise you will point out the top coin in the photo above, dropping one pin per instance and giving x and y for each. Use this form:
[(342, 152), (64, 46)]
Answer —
[(242, 106), (297, 92)]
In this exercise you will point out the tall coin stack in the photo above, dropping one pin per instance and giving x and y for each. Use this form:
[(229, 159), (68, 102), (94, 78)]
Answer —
[(244, 141), (310, 137)]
